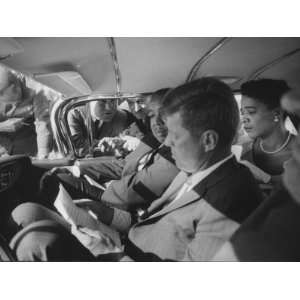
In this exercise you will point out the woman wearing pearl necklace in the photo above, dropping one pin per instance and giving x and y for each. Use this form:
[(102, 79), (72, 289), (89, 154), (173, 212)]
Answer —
[(264, 122)]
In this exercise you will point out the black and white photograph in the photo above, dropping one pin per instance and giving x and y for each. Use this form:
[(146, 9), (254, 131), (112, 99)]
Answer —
[(118, 148), (149, 149)]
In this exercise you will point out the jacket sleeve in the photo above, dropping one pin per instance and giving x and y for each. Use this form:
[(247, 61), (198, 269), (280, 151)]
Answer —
[(141, 188), (102, 169), (78, 131)]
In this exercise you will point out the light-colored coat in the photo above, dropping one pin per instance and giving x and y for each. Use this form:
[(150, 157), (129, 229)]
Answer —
[(195, 226)]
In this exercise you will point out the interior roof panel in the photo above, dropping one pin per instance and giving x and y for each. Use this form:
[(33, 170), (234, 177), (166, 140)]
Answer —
[(288, 69), (148, 64), (88, 56), (242, 56)]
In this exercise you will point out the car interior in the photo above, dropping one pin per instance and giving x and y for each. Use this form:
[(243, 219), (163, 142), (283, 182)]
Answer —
[(79, 70)]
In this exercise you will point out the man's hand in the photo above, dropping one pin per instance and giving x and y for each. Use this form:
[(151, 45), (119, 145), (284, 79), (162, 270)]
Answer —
[(131, 142), (113, 146), (94, 241)]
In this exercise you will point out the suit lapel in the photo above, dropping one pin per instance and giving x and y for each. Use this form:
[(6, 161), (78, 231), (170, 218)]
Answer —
[(196, 193), (173, 188)]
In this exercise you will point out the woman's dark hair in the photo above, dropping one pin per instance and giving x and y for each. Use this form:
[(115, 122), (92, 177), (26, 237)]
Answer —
[(206, 103), (266, 91)]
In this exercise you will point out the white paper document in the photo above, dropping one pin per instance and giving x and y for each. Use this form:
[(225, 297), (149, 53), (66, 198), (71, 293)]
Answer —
[(79, 217)]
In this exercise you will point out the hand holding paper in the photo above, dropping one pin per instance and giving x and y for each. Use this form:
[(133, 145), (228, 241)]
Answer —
[(95, 241), (86, 221)]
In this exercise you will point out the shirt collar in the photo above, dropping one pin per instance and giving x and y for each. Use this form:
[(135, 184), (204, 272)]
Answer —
[(201, 174)]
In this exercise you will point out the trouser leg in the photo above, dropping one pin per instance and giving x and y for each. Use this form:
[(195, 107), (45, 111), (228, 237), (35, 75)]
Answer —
[(76, 187), (79, 187)]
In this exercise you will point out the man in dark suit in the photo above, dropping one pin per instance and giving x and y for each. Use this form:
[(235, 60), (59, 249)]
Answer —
[(107, 121), (203, 206), (136, 180)]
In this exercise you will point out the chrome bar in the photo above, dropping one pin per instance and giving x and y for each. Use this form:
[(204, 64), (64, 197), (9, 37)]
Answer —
[(113, 53), (209, 53), (272, 63)]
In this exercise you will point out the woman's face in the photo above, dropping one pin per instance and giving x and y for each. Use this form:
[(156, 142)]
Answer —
[(257, 119)]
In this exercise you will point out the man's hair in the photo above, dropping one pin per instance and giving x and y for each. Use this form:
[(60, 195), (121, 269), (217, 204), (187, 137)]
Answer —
[(266, 91), (159, 95), (203, 104)]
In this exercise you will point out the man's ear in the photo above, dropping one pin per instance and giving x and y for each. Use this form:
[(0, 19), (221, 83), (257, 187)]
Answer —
[(210, 140)]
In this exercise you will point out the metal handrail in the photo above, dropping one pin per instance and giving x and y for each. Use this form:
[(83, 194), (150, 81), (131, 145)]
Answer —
[(272, 63), (59, 122), (113, 53), (210, 52)]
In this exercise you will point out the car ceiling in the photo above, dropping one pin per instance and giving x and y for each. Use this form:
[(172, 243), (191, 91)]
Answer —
[(80, 65)]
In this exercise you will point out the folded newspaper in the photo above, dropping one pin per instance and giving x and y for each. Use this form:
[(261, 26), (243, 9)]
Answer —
[(82, 218)]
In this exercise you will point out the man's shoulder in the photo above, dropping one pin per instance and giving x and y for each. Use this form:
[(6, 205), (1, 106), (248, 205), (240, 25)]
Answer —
[(78, 113), (232, 190)]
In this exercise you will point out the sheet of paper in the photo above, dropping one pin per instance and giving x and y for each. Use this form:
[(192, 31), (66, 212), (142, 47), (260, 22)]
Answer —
[(80, 217)]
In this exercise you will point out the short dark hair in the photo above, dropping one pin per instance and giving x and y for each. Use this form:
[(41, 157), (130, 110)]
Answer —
[(159, 95), (266, 91), (206, 103)]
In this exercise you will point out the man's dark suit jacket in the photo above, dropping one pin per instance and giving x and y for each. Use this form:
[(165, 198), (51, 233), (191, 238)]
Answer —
[(79, 134), (131, 188), (272, 232), (196, 225)]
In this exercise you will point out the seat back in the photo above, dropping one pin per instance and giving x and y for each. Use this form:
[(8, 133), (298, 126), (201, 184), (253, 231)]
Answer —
[(6, 254)]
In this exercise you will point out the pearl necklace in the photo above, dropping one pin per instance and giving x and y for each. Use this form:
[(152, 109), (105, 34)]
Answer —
[(277, 150)]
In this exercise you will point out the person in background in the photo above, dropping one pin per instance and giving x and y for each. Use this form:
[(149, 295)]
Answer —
[(199, 211), (271, 232), (139, 108), (263, 120), (143, 175), (24, 117), (107, 121)]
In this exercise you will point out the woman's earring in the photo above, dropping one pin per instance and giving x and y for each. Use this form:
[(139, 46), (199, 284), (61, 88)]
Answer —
[(276, 119)]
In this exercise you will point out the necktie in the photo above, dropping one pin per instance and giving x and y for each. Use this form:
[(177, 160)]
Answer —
[(147, 160)]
